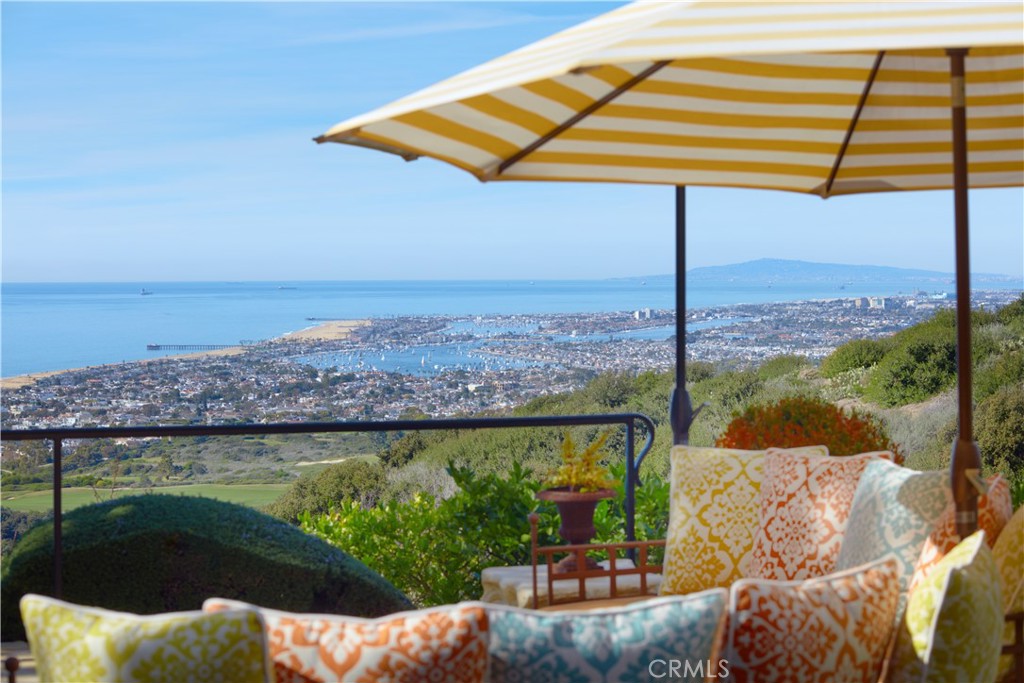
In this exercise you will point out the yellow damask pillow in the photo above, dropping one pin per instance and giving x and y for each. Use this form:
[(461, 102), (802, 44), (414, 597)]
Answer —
[(953, 623), (1008, 554), (75, 643), (714, 513)]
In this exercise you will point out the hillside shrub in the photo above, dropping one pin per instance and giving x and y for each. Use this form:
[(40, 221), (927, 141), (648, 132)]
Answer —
[(698, 371), (159, 553), (436, 549), (853, 355), (728, 389), (356, 480), (914, 372), (806, 421), (780, 366), (999, 430), (1012, 315), (1003, 370), (921, 362)]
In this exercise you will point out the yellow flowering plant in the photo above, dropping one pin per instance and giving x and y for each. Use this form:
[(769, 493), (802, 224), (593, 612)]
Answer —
[(581, 470)]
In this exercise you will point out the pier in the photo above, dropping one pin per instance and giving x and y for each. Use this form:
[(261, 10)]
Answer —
[(189, 347)]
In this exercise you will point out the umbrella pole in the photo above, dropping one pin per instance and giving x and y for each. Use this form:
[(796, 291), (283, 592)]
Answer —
[(966, 460), (681, 407)]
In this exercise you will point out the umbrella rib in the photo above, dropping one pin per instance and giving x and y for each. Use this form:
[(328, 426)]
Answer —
[(853, 123), (577, 117)]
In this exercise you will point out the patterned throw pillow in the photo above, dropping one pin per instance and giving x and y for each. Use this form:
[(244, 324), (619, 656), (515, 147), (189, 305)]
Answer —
[(1008, 553), (994, 511), (713, 515), (954, 620), (446, 643), (75, 643), (645, 641), (894, 511), (833, 628), (805, 502)]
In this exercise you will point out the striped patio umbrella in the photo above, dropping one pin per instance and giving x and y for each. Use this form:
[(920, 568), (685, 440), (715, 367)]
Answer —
[(828, 98)]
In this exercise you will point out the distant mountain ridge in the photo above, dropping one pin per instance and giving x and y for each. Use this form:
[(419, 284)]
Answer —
[(796, 272)]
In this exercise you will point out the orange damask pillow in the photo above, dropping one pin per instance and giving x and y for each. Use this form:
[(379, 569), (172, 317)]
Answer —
[(833, 628), (805, 501), (994, 511), (446, 643)]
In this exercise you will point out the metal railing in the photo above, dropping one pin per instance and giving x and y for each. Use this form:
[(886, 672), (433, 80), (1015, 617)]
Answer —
[(58, 436)]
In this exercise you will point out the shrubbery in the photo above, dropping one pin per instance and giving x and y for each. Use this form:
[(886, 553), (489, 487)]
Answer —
[(999, 430), (434, 550), (158, 553), (355, 480), (14, 524), (805, 421), (856, 354), (1004, 370), (914, 371)]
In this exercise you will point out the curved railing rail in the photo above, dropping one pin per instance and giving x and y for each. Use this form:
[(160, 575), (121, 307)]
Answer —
[(59, 435)]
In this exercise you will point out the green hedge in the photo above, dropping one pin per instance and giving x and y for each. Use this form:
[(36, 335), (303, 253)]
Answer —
[(158, 553), (484, 524)]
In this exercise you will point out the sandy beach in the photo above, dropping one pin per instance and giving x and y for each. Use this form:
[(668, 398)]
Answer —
[(331, 330)]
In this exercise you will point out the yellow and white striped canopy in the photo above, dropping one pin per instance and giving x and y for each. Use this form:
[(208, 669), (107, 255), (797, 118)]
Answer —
[(821, 97)]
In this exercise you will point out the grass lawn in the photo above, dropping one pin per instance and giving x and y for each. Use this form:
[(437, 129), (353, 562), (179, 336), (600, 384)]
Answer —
[(253, 495)]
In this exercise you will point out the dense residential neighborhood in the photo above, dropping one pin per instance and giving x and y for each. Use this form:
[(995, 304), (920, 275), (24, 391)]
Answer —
[(322, 380)]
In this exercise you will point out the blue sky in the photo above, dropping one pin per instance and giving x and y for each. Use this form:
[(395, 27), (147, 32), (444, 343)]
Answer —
[(172, 141)]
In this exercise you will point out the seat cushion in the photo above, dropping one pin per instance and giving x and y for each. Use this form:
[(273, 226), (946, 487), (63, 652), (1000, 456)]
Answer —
[(446, 643), (953, 624), (75, 643), (713, 515), (599, 604), (832, 628), (894, 511), (805, 501), (634, 643)]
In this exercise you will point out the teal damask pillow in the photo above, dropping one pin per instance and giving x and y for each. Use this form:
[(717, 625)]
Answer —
[(894, 511), (652, 640)]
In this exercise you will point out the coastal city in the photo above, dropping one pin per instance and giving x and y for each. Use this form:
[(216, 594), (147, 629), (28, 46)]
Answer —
[(443, 366)]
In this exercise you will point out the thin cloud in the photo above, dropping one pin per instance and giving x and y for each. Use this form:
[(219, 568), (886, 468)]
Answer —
[(425, 28)]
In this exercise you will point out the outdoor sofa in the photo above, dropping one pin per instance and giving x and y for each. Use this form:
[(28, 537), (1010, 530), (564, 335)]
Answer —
[(779, 565)]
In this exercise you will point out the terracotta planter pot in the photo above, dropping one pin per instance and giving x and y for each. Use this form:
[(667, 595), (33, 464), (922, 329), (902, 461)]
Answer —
[(576, 511)]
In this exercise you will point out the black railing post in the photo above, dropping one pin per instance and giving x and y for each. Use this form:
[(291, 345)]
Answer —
[(631, 481), (58, 550)]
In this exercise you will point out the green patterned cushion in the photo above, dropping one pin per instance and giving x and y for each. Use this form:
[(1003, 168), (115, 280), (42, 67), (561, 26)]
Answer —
[(641, 642), (75, 643), (953, 624), (894, 511)]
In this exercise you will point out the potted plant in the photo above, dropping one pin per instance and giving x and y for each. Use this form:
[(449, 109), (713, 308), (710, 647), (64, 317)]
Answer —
[(575, 487)]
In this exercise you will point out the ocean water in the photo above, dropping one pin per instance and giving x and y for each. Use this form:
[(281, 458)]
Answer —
[(56, 326)]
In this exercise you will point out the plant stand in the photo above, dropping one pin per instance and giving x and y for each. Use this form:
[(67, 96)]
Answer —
[(576, 511)]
